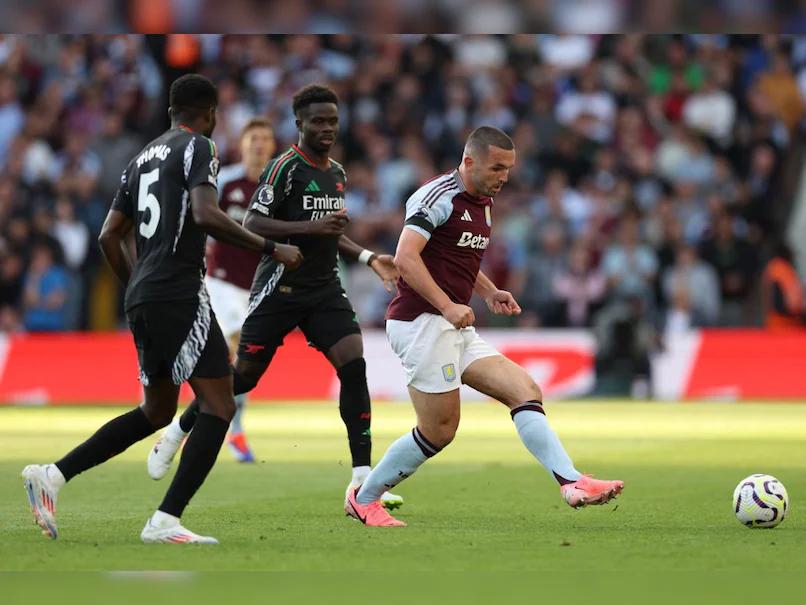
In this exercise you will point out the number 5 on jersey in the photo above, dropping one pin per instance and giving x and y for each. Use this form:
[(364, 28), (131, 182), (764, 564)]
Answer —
[(148, 201)]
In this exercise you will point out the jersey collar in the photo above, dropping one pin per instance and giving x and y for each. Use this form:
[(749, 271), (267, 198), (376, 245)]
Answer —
[(306, 159)]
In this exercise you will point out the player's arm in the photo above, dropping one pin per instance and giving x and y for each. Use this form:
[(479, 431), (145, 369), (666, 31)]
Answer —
[(201, 180), (332, 224), (498, 301), (409, 261), (382, 264), (114, 244), (208, 216), (116, 237)]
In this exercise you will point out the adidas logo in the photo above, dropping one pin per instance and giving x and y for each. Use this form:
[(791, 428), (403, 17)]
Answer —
[(312, 186), (466, 216)]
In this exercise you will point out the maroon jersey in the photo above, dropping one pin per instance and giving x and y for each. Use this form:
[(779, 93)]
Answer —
[(225, 261), (457, 226)]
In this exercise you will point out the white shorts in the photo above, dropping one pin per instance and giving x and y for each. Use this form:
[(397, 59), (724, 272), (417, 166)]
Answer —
[(230, 304), (434, 353)]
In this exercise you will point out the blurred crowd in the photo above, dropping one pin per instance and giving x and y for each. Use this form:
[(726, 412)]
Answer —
[(647, 184), (393, 16)]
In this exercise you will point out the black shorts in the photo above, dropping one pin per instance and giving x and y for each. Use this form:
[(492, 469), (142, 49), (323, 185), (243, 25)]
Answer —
[(324, 317), (178, 340)]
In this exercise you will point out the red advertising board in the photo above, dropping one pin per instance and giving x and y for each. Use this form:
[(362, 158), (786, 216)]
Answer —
[(64, 369)]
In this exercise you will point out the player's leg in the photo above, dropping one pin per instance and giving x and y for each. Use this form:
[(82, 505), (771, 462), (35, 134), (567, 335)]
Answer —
[(237, 437), (429, 348), (231, 305), (245, 375), (347, 357), (437, 420), (502, 379), (212, 385), (261, 335), (43, 482), (332, 327)]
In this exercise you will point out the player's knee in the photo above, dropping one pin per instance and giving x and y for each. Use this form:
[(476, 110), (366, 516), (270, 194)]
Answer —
[(524, 390), (441, 433), (223, 407), (159, 416), (353, 378), (244, 381), (353, 371)]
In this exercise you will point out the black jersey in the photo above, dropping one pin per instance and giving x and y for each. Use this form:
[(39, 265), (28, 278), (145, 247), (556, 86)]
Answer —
[(292, 188), (154, 192)]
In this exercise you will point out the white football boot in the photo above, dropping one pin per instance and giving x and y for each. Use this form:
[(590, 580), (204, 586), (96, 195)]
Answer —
[(42, 484), (162, 528), (162, 454)]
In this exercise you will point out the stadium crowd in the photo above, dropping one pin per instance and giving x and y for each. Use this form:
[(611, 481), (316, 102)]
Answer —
[(646, 178)]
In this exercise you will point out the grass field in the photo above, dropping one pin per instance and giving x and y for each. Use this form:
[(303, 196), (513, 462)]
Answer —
[(483, 506)]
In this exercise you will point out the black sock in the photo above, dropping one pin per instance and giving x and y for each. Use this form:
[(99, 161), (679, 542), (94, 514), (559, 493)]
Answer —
[(198, 457), (355, 409), (188, 417), (108, 441)]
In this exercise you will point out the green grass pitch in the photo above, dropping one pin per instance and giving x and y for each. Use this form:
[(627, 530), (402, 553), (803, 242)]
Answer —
[(483, 506)]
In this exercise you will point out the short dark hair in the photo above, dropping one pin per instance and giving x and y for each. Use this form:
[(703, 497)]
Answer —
[(313, 93), (485, 136), (257, 122), (192, 93)]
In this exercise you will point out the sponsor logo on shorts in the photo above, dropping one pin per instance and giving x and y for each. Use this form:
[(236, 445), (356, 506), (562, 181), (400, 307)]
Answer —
[(251, 349), (449, 372)]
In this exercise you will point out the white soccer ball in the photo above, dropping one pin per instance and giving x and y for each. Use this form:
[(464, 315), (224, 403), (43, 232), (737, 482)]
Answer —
[(760, 501)]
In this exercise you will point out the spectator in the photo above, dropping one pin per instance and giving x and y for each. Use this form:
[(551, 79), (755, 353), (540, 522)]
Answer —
[(579, 288), (566, 52), (588, 110), (72, 235), (691, 289), (735, 262), (550, 261), (76, 169), (779, 85), (12, 117), (629, 265), (782, 292), (45, 294), (711, 111), (12, 269), (114, 148)]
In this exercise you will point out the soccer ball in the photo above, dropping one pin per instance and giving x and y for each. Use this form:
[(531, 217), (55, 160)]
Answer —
[(760, 501)]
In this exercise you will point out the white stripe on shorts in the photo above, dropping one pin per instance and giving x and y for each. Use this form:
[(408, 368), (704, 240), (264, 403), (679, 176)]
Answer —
[(196, 340)]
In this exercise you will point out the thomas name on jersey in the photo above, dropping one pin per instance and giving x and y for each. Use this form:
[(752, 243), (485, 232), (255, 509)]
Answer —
[(156, 151)]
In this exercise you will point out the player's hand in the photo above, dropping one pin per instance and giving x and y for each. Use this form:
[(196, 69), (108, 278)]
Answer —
[(384, 266), (460, 316), (502, 302), (332, 224), (287, 254)]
